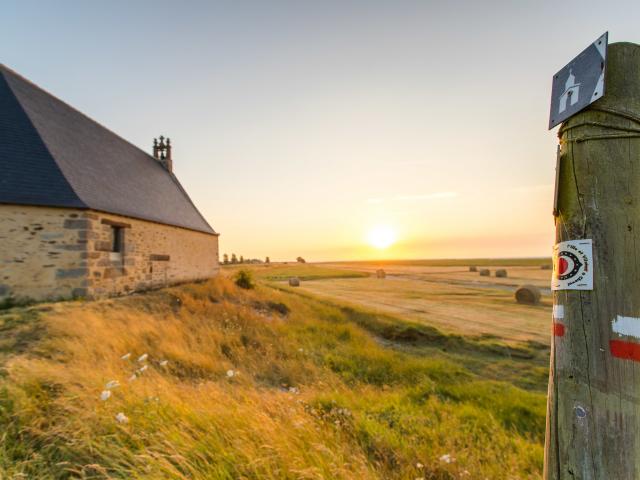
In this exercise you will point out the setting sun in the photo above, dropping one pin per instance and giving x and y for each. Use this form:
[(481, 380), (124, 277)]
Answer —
[(381, 236)]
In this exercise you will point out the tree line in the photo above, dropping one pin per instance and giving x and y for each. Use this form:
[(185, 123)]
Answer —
[(234, 260)]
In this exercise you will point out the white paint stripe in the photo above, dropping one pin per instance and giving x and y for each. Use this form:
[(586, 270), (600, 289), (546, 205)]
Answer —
[(629, 326), (558, 312)]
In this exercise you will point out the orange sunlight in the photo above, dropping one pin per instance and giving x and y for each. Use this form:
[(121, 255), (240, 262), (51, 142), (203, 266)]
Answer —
[(381, 237)]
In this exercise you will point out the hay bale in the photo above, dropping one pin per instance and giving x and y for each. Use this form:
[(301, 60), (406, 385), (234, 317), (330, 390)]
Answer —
[(528, 294), (502, 273), (546, 266), (294, 282), (473, 268), (485, 272), (380, 273)]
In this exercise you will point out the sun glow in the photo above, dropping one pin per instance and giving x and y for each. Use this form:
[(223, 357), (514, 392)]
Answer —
[(381, 237)]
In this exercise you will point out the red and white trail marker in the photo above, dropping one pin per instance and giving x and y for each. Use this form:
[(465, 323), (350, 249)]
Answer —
[(627, 347), (558, 316)]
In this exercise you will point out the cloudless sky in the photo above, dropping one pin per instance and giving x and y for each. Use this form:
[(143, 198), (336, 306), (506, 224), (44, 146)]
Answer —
[(300, 126)]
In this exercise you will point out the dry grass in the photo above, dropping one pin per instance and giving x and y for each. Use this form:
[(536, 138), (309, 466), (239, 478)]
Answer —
[(456, 275), (452, 308), (454, 262), (315, 394)]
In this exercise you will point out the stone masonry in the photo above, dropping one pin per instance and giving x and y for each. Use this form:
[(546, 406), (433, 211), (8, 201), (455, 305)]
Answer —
[(54, 253)]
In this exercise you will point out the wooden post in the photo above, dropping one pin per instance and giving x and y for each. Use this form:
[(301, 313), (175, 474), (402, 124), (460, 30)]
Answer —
[(593, 414)]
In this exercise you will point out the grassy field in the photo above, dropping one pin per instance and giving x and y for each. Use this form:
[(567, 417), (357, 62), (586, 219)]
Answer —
[(456, 262), (283, 271), (261, 384), (448, 297)]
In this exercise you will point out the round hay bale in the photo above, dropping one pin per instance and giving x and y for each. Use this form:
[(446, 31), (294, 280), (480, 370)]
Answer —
[(294, 282), (502, 273), (380, 273), (473, 268), (485, 272), (546, 266), (528, 294)]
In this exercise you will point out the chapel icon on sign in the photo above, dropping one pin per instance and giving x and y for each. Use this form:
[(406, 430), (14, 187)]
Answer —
[(571, 92)]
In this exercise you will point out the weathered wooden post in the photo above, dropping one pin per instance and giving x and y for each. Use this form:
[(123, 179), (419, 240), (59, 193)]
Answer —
[(593, 417)]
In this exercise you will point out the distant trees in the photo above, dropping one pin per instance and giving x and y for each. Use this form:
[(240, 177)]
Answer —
[(300, 260), (234, 260)]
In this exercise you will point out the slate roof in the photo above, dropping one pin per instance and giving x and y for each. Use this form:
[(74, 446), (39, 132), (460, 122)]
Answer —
[(53, 155)]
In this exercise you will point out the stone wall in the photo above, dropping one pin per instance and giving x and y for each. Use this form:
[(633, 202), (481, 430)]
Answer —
[(41, 253), (49, 253), (153, 255)]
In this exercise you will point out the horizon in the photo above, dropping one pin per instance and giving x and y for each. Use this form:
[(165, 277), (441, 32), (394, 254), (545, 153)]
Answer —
[(333, 132), (391, 260)]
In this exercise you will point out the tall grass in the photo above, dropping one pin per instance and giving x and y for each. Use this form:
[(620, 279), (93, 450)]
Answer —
[(258, 384)]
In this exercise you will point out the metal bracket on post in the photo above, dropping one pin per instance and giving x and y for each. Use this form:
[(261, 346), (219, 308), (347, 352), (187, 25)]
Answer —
[(556, 211)]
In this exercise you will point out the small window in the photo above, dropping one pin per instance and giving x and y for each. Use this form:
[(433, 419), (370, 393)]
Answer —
[(117, 236)]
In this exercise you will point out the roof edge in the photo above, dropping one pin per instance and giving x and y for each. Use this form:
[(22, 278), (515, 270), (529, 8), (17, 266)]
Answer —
[(173, 177)]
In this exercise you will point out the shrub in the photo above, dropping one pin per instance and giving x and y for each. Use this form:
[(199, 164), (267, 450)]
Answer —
[(279, 307), (8, 303), (244, 279)]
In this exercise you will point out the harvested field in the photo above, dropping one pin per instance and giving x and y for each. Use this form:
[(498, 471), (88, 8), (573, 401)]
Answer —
[(450, 298)]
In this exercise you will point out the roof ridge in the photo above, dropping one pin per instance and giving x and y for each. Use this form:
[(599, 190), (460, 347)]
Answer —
[(22, 77)]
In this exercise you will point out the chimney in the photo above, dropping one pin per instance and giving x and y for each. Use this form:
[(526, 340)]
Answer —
[(162, 152)]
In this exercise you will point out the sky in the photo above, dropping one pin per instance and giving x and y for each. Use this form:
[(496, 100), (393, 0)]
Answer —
[(305, 128)]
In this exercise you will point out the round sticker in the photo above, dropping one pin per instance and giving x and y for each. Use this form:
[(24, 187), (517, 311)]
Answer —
[(568, 265)]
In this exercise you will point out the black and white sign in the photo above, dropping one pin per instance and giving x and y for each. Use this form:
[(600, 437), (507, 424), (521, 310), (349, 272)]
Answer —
[(573, 265), (580, 83)]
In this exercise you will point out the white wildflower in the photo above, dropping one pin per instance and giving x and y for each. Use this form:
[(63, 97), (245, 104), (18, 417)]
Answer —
[(419, 466), (133, 377), (164, 363), (142, 369), (447, 458), (126, 356), (112, 384), (105, 395), (143, 357), (122, 418), (230, 373)]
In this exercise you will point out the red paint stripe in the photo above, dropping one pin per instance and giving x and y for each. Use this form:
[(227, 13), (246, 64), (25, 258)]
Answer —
[(626, 350), (558, 329)]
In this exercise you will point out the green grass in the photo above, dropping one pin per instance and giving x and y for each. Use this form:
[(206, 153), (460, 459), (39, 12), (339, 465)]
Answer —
[(305, 272), (322, 391)]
